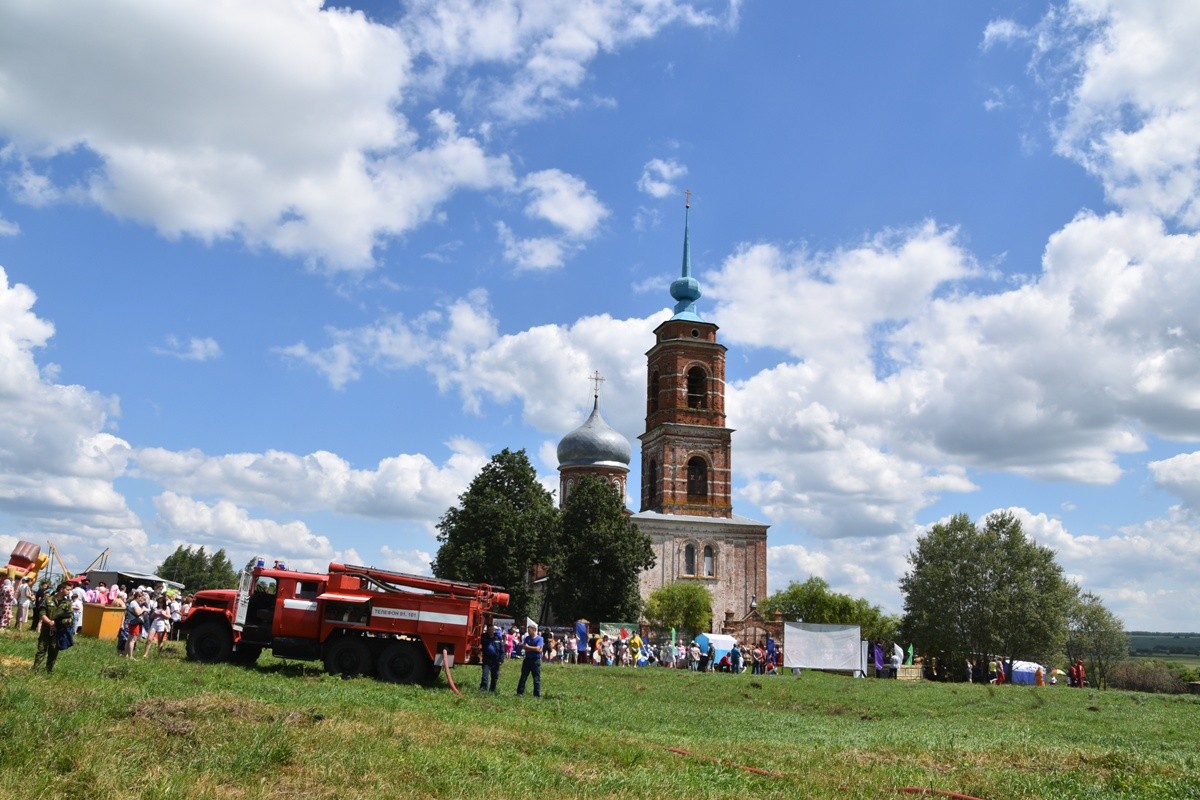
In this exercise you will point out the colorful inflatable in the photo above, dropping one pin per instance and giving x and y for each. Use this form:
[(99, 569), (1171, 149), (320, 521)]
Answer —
[(27, 559)]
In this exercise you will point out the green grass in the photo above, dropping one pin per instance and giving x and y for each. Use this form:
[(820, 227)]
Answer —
[(103, 727)]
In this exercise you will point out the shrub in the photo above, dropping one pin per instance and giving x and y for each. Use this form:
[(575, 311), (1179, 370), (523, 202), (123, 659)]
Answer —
[(1146, 676)]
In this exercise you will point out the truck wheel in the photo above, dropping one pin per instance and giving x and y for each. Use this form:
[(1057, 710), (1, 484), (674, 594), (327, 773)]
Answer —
[(348, 657), (209, 643), (404, 662)]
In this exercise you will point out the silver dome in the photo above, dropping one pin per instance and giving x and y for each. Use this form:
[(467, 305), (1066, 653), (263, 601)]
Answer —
[(594, 443)]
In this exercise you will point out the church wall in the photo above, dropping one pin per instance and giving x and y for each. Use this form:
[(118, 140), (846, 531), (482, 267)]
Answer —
[(741, 561)]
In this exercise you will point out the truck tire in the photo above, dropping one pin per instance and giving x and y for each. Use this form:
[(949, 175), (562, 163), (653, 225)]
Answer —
[(209, 642), (404, 662), (349, 657)]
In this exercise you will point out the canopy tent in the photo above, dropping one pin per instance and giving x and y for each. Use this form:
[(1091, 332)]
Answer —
[(1025, 672), (722, 643), (816, 646), (129, 578)]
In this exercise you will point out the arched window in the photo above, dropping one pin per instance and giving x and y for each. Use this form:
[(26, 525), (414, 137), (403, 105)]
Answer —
[(652, 482), (697, 388), (697, 478), (689, 560), (710, 562), (653, 398)]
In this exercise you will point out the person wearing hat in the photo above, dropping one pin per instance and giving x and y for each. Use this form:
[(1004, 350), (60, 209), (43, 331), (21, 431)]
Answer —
[(532, 663), (55, 618)]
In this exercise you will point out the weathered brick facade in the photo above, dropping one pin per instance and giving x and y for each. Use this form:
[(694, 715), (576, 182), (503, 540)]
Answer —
[(687, 505)]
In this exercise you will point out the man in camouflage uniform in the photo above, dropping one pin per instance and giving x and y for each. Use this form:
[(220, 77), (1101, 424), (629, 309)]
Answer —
[(56, 616)]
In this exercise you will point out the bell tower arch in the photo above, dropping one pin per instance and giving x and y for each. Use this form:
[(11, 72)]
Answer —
[(686, 446)]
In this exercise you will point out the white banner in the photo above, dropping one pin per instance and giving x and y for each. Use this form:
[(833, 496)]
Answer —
[(815, 646)]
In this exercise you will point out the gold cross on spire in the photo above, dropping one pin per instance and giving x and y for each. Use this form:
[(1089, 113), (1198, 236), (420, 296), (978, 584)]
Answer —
[(596, 381)]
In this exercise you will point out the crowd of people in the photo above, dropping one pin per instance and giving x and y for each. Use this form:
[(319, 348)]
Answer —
[(602, 650), (151, 615)]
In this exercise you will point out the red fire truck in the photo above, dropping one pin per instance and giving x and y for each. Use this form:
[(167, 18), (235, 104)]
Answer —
[(357, 620)]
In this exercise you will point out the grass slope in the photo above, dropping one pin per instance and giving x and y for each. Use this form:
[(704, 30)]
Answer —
[(104, 727)]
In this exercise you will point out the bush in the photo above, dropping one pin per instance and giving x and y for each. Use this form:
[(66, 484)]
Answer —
[(1146, 676)]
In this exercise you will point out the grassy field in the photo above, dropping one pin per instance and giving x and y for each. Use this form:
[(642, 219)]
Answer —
[(103, 727)]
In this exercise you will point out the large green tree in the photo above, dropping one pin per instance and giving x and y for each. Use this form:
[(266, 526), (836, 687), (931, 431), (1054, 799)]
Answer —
[(685, 606), (1095, 635), (197, 570), (986, 589), (504, 524), (598, 557), (814, 601)]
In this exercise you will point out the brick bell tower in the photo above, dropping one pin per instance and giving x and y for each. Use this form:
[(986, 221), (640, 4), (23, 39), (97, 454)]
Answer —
[(686, 446)]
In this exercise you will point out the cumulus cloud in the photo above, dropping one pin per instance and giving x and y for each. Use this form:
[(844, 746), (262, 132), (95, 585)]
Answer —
[(414, 562), (8, 228), (57, 459), (543, 48), (307, 129), (565, 202), (460, 346), (194, 349), (1125, 72), (404, 487), (659, 176), (224, 525), (220, 138)]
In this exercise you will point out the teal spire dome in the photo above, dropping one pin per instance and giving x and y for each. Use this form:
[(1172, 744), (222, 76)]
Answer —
[(686, 289), (594, 444)]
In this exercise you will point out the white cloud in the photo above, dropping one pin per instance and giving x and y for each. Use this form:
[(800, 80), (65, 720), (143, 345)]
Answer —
[(8, 228), (274, 122), (57, 461), (545, 367), (222, 524), (1003, 31), (536, 253), (413, 562), (543, 46), (403, 487), (566, 202), (194, 349), (659, 176), (1126, 71)]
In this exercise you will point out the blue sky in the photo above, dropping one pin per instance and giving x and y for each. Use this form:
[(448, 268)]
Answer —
[(280, 278)]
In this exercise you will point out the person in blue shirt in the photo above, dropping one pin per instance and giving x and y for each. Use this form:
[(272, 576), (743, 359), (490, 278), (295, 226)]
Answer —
[(531, 664), (492, 656)]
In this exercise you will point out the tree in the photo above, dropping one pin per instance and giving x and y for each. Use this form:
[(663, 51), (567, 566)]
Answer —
[(1095, 635), (598, 557), (986, 590), (685, 606), (197, 570), (812, 601), (504, 524)]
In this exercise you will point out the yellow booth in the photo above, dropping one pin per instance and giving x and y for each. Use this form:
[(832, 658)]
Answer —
[(102, 622)]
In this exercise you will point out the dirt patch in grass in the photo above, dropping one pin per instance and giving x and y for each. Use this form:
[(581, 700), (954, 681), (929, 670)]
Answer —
[(180, 716)]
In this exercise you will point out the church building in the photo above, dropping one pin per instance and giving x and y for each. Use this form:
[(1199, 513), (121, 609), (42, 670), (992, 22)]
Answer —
[(686, 494)]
